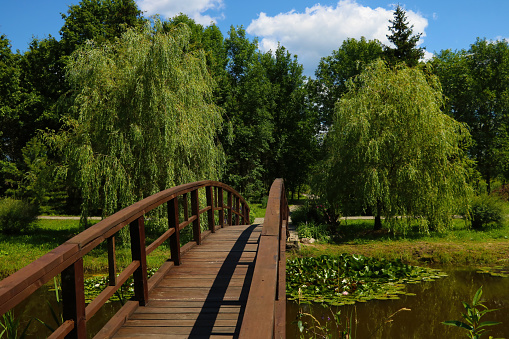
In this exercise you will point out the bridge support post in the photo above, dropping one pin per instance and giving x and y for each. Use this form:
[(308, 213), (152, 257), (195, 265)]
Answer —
[(230, 209), (73, 299), (220, 204), (195, 208), (210, 213), (237, 210), (138, 253), (173, 222)]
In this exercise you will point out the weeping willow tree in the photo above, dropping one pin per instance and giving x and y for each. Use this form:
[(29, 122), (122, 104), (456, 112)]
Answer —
[(394, 151), (143, 118)]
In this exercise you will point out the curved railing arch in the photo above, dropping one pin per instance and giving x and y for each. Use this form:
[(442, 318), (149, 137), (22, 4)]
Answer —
[(265, 314), (67, 259)]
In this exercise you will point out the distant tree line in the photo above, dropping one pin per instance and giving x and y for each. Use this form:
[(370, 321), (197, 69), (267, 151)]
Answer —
[(121, 106)]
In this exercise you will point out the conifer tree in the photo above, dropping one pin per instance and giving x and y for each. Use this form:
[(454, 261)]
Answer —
[(405, 43)]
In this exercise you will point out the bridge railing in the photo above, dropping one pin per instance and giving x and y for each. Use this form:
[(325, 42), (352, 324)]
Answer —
[(265, 314), (67, 259)]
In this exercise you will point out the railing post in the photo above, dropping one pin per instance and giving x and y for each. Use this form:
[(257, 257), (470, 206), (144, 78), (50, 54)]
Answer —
[(73, 299), (230, 209), (195, 208), (173, 222), (245, 214), (237, 209), (112, 262), (210, 214), (220, 205), (137, 229), (184, 204)]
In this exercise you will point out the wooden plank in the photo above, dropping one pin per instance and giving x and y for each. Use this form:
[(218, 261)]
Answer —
[(185, 316), (62, 330), (117, 320), (138, 254), (173, 223), (195, 209), (258, 319), (73, 299), (162, 332)]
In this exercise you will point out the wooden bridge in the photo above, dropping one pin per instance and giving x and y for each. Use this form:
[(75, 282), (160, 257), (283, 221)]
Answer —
[(229, 282)]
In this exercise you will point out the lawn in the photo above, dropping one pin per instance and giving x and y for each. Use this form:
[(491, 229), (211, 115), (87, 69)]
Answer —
[(17, 251), (457, 246)]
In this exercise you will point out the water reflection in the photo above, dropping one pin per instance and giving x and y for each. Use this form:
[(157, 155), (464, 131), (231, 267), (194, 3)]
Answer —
[(36, 306), (434, 302)]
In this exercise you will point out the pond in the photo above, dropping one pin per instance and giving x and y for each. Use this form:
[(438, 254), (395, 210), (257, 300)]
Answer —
[(40, 305), (434, 302)]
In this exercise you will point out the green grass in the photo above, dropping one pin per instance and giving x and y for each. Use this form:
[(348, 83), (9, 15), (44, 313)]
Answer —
[(457, 246), (257, 210), (17, 251)]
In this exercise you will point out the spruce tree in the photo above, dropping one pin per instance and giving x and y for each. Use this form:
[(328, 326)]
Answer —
[(405, 43)]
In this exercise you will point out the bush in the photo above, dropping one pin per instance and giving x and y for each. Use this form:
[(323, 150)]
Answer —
[(314, 210), (319, 232), (16, 216), (486, 211)]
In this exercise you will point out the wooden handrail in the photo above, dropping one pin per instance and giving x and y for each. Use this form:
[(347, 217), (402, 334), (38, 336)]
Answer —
[(265, 314), (67, 259)]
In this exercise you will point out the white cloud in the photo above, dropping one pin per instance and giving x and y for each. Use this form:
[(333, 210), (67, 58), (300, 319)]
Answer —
[(193, 8), (320, 29)]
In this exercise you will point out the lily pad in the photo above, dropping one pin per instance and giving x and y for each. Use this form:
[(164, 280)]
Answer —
[(346, 279)]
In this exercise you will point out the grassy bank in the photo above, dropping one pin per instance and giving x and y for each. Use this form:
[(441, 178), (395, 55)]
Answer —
[(457, 246), (17, 251)]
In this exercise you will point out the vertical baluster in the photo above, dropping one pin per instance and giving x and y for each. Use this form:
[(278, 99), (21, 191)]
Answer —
[(73, 299), (195, 209), (137, 229), (230, 209), (210, 212), (220, 205), (173, 222), (246, 214), (216, 202), (237, 209), (112, 262), (184, 203)]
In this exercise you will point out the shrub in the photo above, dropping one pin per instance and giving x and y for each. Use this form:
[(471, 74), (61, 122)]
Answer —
[(486, 211), (16, 215), (319, 232), (315, 211)]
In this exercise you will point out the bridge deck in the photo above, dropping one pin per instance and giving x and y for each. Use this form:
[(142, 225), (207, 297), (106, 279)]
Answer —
[(206, 295)]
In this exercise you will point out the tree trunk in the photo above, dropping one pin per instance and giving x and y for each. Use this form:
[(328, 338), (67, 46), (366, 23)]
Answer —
[(378, 219)]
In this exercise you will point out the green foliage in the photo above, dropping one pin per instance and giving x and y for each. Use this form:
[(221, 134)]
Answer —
[(143, 118), (476, 82), (316, 211), (335, 70), (10, 327), (486, 210), (473, 314), (16, 216), (319, 232), (345, 279), (405, 43), (36, 180), (98, 20), (393, 151), (310, 327)]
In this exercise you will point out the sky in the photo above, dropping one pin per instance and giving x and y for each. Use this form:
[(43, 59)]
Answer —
[(307, 28)]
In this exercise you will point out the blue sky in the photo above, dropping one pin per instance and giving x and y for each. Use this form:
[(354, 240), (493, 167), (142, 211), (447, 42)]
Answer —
[(310, 29)]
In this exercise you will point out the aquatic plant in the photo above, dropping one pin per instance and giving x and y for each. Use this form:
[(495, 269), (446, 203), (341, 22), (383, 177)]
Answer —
[(346, 279), (10, 326), (473, 314)]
